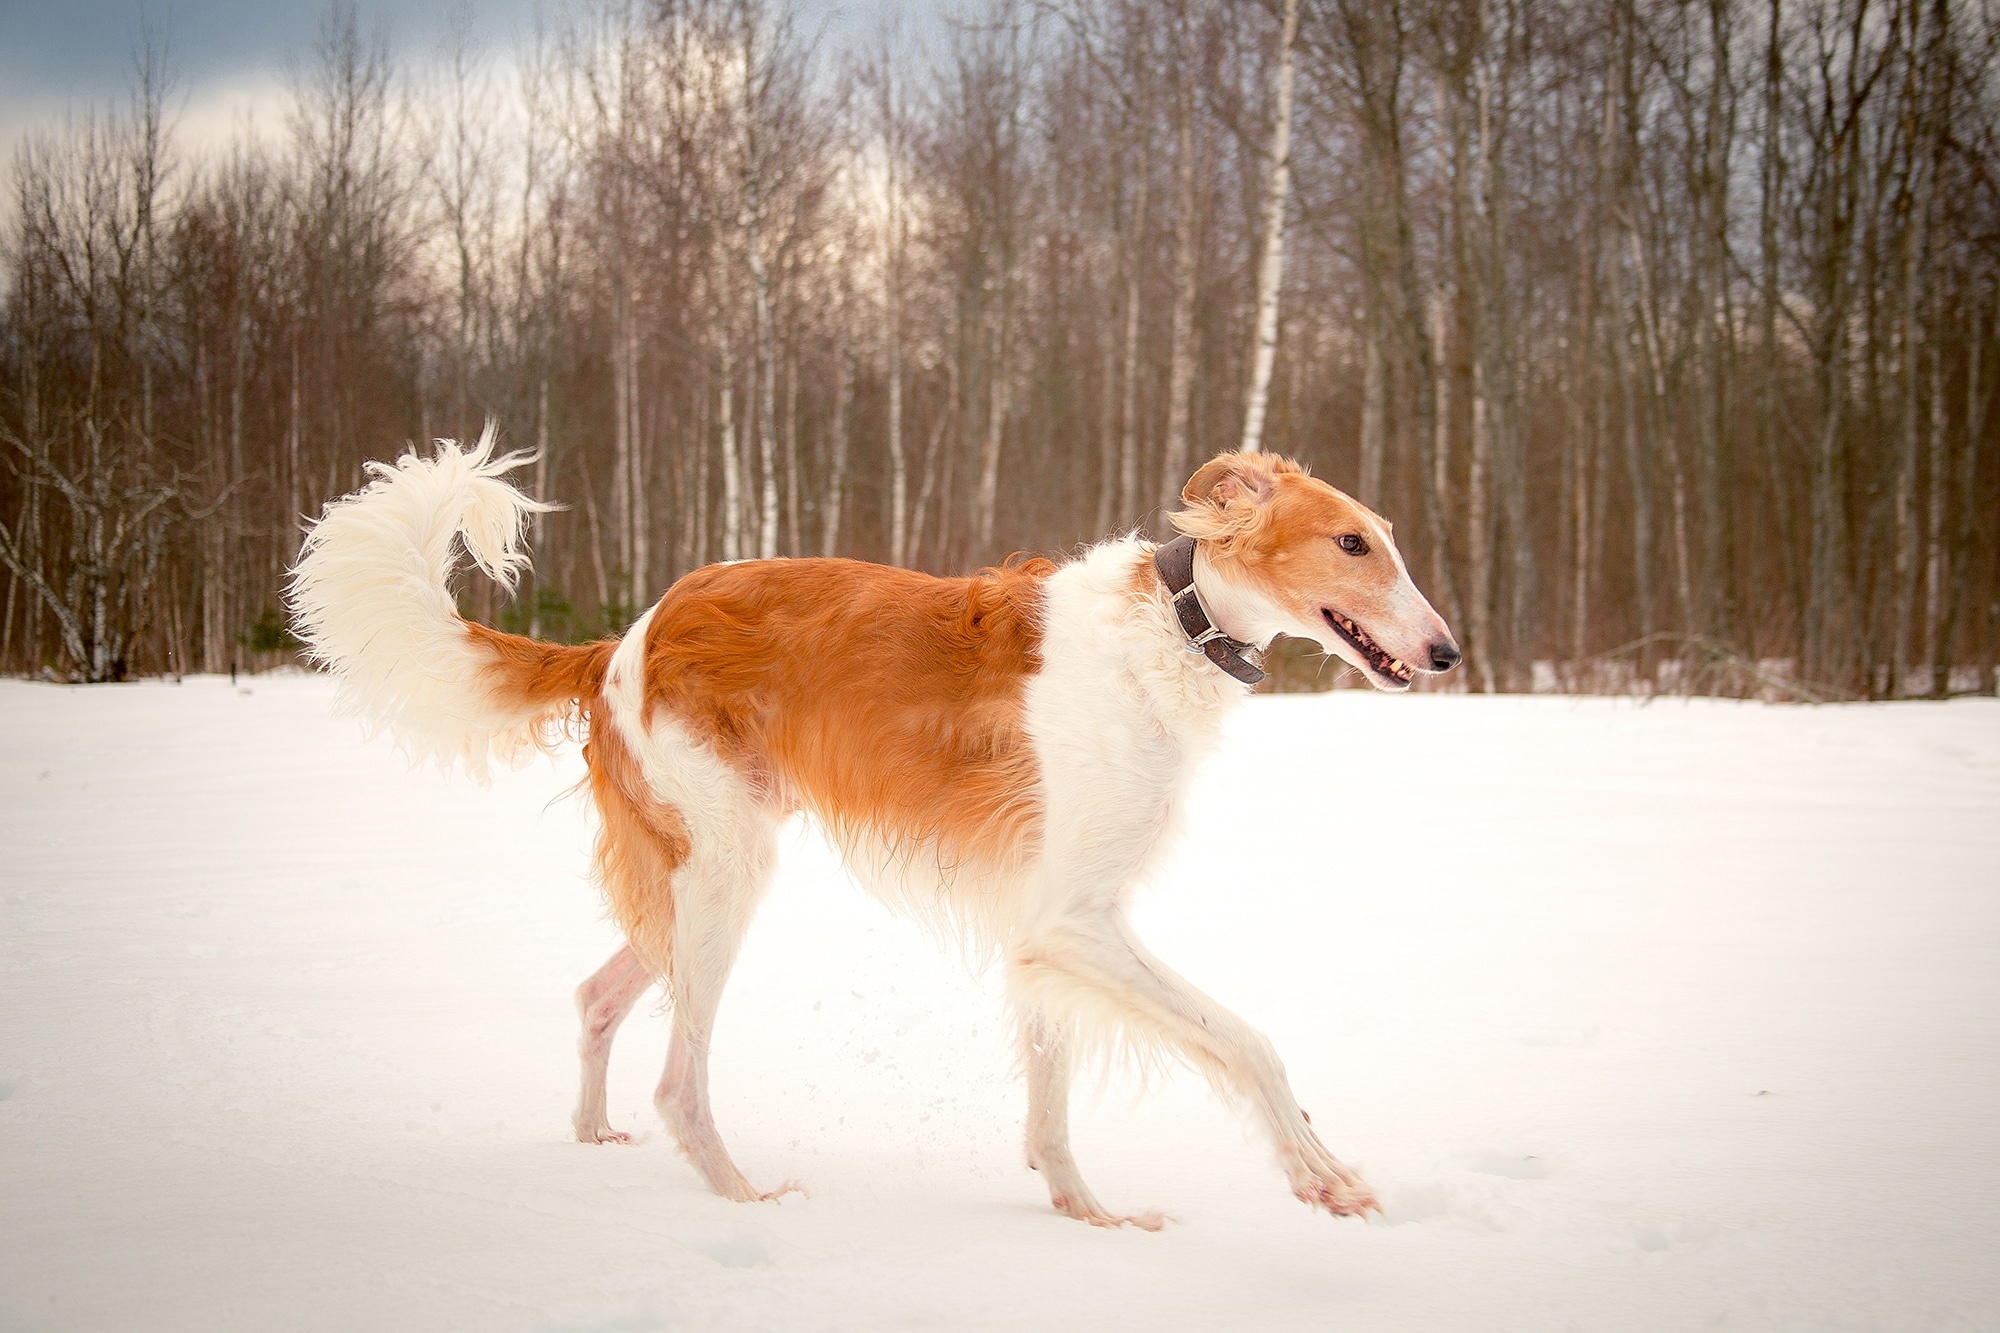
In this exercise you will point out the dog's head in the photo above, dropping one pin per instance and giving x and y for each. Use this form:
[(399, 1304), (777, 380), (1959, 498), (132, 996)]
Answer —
[(1292, 555)]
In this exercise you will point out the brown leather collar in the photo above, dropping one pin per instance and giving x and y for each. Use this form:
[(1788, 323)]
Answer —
[(1175, 561)]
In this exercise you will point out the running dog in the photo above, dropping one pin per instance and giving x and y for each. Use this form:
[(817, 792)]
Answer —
[(1004, 755)]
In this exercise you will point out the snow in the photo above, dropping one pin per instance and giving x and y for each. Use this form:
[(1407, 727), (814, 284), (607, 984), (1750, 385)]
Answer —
[(1667, 1016)]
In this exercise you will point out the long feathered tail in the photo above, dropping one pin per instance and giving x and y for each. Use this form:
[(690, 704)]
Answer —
[(371, 597)]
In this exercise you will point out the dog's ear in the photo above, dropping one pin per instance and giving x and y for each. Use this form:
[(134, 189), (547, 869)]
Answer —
[(1234, 476)]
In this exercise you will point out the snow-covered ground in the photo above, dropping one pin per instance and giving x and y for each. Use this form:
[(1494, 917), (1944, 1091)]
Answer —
[(1668, 1016)]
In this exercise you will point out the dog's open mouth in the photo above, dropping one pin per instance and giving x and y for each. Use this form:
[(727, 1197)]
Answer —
[(1392, 667)]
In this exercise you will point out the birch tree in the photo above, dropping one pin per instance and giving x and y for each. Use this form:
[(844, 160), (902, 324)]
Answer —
[(1271, 252)]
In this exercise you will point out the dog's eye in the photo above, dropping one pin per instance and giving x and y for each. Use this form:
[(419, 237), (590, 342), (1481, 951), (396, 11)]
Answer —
[(1351, 543)]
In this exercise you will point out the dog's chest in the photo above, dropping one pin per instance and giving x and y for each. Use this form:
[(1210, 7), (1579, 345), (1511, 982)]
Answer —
[(1121, 713)]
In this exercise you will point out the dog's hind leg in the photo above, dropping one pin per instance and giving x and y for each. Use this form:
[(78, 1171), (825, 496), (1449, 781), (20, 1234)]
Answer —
[(715, 896), (1046, 1054), (686, 854), (602, 1003)]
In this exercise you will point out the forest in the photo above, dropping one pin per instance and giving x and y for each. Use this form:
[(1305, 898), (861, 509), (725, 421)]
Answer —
[(1663, 329)]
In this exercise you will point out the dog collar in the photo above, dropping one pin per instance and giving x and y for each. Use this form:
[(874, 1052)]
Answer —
[(1175, 561)]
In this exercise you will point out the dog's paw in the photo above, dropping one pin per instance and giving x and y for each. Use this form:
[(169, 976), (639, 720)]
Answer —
[(789, 1187), (1346, 1195), (1088, 1211), (601, 1134), (1320, 1181)]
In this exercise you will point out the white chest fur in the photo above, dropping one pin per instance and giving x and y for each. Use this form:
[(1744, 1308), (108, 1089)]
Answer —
[(1119, 714)]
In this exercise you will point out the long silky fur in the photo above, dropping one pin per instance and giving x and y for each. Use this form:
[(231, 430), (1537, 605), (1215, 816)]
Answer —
[(371, 598)]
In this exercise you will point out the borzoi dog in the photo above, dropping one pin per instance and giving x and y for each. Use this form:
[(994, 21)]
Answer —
[(1005, 754)]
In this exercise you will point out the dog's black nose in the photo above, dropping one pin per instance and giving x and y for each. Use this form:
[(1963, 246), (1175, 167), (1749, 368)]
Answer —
[(1445, 656)]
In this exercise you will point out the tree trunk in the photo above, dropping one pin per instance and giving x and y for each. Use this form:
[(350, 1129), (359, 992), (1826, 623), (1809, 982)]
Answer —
[(836, 468), (1937, 556), (767, 410), (1175, 464), (766, 370), (892, 324), (639, 518), (295, 487), (1374, 404), (621, 428), (733, 546), (1135, 249), (1654, 394), (1769, 428), (794, 540), (1271, 259), (1718, 324), (1969, 506), (598, 565), (997, 382), (1471, 279), (538, 523), (1635, 465)]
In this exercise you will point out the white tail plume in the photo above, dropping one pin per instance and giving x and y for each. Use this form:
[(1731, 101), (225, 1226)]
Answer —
[(371, 597)]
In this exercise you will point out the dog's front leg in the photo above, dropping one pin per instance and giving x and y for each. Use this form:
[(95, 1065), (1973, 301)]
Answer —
[(1086, 968), (1045, 1052)]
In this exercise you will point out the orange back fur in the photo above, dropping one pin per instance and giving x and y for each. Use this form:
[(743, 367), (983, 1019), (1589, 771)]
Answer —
[(887, 701)]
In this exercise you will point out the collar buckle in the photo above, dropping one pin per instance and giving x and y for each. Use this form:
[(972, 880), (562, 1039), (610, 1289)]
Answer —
[(1175, 562), (1198, 643)]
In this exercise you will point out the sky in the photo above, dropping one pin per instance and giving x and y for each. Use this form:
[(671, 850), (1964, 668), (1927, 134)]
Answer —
[(230, 56)]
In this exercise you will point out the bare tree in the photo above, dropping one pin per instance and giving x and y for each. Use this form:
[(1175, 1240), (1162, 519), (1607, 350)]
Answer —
[(1271, 253), (1663, 330)]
